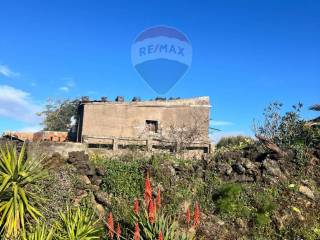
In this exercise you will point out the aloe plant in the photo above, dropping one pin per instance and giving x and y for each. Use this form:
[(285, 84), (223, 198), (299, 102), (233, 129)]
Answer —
[(16, 176), (78, 224), (162, 223), (40, 232), (165, 224)]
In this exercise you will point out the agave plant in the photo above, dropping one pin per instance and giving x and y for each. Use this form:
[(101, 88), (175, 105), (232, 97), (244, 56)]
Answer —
[(40, 232), (78, 224), (16, 176)]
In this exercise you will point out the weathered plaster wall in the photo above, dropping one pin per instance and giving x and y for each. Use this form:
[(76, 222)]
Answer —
[(128, 119), (49, 148)]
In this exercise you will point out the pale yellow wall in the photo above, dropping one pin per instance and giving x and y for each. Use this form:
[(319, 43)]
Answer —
[(127, 119)]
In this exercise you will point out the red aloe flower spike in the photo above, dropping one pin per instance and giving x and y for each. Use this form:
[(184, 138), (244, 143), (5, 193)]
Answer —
[(188, 216), (136, 207), (196, 216), (151, 212), (155, 207), (160, 236), (118, 231), (137, 232), (110, 225), (159, 198), (147, 190)]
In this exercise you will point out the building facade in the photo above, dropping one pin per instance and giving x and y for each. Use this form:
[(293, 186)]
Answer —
[(52, 136), (151, 124)]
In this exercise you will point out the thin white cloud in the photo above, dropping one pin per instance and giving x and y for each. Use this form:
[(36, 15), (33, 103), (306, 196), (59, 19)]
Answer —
[(64, 89), (17, 104), (221, 123), (7, 72), (69, 84)]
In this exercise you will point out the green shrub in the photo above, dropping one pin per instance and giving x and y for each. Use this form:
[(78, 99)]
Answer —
[(262, 219), (264, 207), (123, 179), (238, 142), (181, 185), (229, 202), (302, 155)]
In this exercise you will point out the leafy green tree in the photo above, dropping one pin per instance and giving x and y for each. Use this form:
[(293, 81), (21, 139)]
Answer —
[(269, 128), (282, 129), (291, 129), (58, 115)]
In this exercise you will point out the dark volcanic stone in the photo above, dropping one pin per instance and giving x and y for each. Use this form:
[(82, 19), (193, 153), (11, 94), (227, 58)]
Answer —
[(96, 180), (102, 198), (238, 168), (100, 171), (81, 162)]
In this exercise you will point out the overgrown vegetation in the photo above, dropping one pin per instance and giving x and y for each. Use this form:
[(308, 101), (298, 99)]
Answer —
[(289, 132), (263, 188)]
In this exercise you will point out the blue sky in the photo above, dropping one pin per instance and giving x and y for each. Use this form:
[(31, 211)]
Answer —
[(246, 54)]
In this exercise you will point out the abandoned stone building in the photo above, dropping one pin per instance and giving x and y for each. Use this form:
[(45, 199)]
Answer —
[(156, 124), (41, 136)]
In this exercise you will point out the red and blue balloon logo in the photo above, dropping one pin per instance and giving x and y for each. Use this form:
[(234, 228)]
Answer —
[(161, 55)]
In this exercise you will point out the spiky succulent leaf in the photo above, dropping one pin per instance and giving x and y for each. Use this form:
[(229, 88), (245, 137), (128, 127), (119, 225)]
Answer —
[(16, 174)]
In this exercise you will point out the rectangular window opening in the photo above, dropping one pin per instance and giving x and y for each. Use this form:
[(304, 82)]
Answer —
[(152, 126)]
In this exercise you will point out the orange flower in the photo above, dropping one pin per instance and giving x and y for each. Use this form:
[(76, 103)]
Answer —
[(196, 216), (188, 216), (155, 207), (147, 190), (137, 232), (136, 207), (118, 231), (151, 212), (110, 225), (160, 236), (159, 198)]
